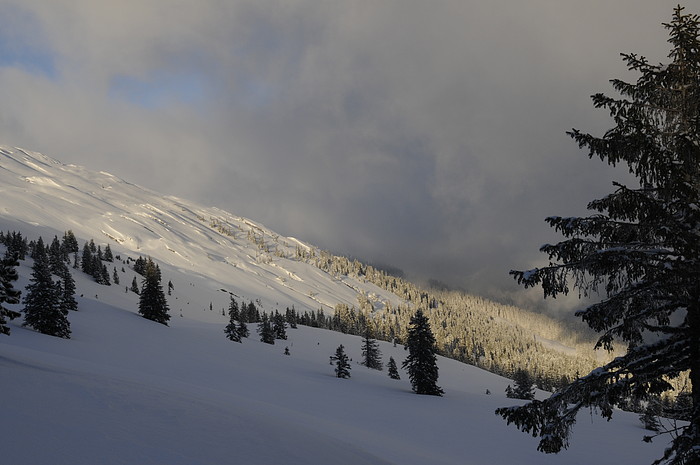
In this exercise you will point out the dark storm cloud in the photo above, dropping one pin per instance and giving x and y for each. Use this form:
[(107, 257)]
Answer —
[(427, 135)]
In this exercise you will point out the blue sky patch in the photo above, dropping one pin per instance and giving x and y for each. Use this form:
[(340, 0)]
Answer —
[(23, 43)]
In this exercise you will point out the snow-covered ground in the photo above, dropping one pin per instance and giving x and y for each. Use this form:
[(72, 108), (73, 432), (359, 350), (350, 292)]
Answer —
[(124, 390)]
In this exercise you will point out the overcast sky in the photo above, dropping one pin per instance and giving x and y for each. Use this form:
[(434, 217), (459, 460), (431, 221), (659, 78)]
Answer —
[(429, 135)]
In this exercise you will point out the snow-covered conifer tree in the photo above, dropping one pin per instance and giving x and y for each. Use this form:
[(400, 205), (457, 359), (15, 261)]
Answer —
[(231, 329), (421, 362), (640, 250), (152, 302), (42, 302)]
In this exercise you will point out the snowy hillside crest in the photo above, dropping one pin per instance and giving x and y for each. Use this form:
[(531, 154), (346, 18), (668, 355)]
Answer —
[(127, 390)]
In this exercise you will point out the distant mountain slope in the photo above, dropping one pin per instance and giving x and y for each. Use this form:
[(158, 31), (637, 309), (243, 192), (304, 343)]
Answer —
[(127, 390), (240, 257), (238, 254)]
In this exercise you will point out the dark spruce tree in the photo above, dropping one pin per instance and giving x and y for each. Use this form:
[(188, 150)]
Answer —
[(640, 250), (421, 362), (42, 302), (267, 335), (371, 355), (56, 257), (393, 369), (231, 329), (524, 386), (69, 244), (67, 288), (342, 363), (8, 294), (279, 326), (243, 329), (86, 260), (152, 302)]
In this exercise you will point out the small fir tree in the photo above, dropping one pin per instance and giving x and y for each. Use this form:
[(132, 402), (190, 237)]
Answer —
[(107, 256), (267, 335), (242, 329), (278, 326), (231, 329), (67, 288), (650, 415), (371, 355), (342, 364), (8, 294), (86, 260), (152, 302), (421, 362), (393, 369), (291, 317), (135, 286), (42, 302), (69, 244), (56, 259), (524, 388)]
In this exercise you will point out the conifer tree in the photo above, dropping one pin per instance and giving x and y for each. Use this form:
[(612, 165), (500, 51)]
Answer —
[(67, 288), (267, 335), (371, 355), (342, 364), (115, 276), (134, 286), (278, 326), (152, 302), (42, 302), (290, 316), (640, 250), (69, 244), (523, 386), (56, 258), (393, 369), (108, 256), (243, 329), (104, 276), (8, 294), (231, 329), (233, 310), (421, 362), (86, 260)]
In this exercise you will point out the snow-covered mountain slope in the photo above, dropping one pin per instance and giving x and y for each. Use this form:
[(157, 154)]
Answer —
[(124, 390), (234, 253)]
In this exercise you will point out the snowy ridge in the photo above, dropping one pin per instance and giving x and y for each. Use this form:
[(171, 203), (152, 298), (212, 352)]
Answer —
[(124, 390), (237, 253)]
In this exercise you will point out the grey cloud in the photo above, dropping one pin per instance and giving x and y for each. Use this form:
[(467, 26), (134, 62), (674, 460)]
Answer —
[(428, 135)]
